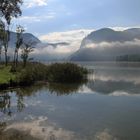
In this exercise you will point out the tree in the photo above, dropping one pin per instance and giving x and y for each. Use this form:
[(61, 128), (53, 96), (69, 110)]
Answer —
[(19, 43), (26, 49), (2, 26), (3, 39), (8, 9), (6, 35), (0, 51)]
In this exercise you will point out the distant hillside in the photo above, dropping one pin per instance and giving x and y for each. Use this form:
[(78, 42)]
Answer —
[(27, 37), (109, 45), (109, 35)]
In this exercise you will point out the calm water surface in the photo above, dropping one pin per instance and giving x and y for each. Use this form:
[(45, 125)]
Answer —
[(107, 107)]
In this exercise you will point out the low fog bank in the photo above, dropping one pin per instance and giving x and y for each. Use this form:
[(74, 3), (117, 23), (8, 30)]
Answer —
[(107, 51), (59, 45), (103, 51), (54, 46), (66, 46)]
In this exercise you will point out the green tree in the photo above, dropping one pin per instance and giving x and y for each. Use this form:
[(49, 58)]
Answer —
[(19, 43), (8, 9), (0, 51), (2, 26), (26, 49)]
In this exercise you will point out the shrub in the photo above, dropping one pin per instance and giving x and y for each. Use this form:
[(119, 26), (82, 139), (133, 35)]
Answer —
[(56, 73), (31, 73), (65, 72)]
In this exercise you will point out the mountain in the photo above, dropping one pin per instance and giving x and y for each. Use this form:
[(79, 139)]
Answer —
[(27, 37), (109, 35), (109, 45)]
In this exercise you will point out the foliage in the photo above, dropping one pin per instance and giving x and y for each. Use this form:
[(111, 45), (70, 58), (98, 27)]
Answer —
[(6, 75), (9, 9), (2, 26), (26, 49), (65, 72), (31, 73), (19, 43)]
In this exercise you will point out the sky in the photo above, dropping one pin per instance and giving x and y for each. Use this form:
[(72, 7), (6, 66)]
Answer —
[(41, 17)]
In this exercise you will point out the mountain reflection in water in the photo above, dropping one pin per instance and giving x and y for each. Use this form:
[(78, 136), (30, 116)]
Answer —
[(109, 81)]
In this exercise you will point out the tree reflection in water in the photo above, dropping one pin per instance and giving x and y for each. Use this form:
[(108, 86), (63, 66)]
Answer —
[(6, 108), (21, 93), (5, 104)]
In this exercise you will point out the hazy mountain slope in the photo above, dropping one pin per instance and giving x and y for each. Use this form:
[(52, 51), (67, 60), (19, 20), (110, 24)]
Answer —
[(109, 35), (27, 37), (107, 45)]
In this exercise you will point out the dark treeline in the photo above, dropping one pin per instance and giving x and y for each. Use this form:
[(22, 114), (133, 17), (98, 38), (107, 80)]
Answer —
[(130, 58)]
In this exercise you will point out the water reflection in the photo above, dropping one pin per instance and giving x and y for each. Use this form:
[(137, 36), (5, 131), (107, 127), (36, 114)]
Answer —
[(2, 127), (37, 113), (5, 104), (16, 135), (6, 101), (16, 100), (115, 82), (29, 91), (109, 81), (104, 135), (36, 129), (64, 89)]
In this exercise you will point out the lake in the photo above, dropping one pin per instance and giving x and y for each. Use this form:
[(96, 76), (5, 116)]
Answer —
[(107, 107)]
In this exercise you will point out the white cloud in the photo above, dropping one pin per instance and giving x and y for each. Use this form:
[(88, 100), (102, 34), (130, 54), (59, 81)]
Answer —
[(73, 37), (116, 45), (119, 28), (66, 43), (122, 93), (34, 3)]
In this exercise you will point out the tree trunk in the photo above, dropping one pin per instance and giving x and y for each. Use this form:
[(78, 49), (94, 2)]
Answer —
[(6, 58), (0, 54), (24, 63), (17, 58)]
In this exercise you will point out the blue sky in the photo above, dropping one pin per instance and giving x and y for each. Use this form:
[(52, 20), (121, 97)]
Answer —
[(45, 16)]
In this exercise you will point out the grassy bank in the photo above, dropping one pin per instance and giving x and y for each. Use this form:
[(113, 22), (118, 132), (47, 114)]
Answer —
[(6, 75), (33, 72)]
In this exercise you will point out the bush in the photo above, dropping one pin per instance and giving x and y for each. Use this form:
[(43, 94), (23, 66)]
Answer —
[(58, 73), (32, 73), (65, 72)]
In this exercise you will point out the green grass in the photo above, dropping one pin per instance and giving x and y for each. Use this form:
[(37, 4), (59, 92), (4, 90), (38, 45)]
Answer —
[(6, 75)]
